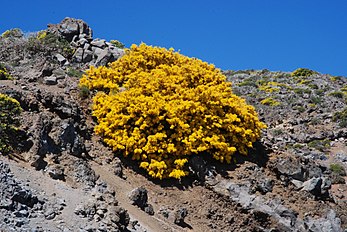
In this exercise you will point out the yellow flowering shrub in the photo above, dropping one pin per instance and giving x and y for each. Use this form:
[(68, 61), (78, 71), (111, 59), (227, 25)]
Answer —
[(9, 110), (160, 107), (4, 75)]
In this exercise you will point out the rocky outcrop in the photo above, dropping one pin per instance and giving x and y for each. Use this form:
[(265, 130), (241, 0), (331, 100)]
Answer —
[(95, 52)]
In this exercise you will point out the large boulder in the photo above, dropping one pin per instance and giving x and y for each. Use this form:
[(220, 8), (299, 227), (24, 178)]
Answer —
[(71, 27)]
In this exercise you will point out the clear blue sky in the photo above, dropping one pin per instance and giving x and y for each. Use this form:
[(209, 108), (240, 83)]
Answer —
[(232, 34)]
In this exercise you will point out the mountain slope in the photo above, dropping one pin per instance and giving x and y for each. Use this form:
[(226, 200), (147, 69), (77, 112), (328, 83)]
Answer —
[(61, 177)]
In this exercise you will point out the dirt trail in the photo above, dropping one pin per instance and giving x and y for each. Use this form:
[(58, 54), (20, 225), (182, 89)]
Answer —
[(49, 188), (122, 188)]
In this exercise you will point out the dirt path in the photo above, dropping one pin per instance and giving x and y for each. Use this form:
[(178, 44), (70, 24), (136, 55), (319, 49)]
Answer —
[(122, 188), (51, 190)]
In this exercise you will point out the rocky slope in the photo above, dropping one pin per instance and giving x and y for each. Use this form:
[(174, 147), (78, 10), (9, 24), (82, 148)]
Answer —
[(62, 178)]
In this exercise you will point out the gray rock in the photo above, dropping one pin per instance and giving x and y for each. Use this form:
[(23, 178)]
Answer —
[(84, 173), (290, 168), (82, 42), (297, 183), (78, 55), (138, 197), (330, 223), (313, 185), (56, 172), (59, 74), (149, 209), (51, 80), (70, 27), (198, 166), (100, 43), (180, 215), (87, 47), (116, 53), (50, 214), (60, 58), (265, 185), (103, 58), (87, 56)]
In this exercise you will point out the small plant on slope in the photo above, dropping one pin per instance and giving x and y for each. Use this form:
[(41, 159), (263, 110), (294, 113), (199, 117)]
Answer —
[(302, 72), (9, 110), (160, 108)]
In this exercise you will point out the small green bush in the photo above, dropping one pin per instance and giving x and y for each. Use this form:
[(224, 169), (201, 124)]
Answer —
[(45, 41), (117, 44), (270, 102), (315, 99), (341, 118), (337, 94), (9, 111), (72, 72), (84, 92), (321, 145), (302, 72), (337, 169), (15, 32)]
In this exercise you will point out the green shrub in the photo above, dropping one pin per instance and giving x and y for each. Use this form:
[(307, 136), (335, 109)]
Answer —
[(315, 99), (84, 92), (160, 108), (301, 109), (9, 110), (337, 94), (248, 82), (301, 91), (45, 41), (270, 102), (313, 86), (72, 72), (15, 32), (117, 44), (337, 169), (341, 117), (302, 72), (321, 145)]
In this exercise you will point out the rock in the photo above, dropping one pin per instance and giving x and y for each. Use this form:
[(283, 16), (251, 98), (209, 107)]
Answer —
[(198, 166), (56, 172), (313, 185), (164, 211), (83, 173), (70, 27), (87, 56), (290, 168), (149, 209), (46, 71), (50, 214), (51, 80), (82, 42), (330, 223), (59, 74), (100, 43), (60, 58), (180, 215), (138, 197), (297, 183), (78, 55), (118, 169), (116, 53), (264, 185), (24, 197), (104, 57)]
